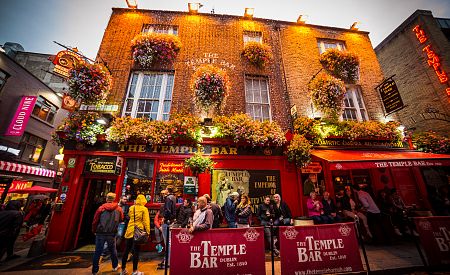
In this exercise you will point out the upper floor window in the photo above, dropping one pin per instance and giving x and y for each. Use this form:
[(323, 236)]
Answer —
[(330, 44), (44, 110), (149, 95), (168, 29), (354, 107), (32, 147), (3, 77), (252, 36), (257, 102)]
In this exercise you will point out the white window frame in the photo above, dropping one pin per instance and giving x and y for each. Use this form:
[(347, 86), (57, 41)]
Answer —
[(340, 45), (259, 78), (252, 36), (153, 28), (138, 91), (353, 92)]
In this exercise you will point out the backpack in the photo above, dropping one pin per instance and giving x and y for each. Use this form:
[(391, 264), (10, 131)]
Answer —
[(109, 222)]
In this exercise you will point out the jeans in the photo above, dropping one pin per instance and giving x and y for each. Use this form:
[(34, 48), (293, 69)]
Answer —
[(231, 224), (131, 246), (165, 229), (99, 244)]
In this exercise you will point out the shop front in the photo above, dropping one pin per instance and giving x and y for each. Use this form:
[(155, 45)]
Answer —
[(134, 169), (416, 175)]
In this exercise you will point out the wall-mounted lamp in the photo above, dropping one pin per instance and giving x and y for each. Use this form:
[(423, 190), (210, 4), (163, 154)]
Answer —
[(301, 19), (354, 26), (194, 7), (249, 12), (132, 4)]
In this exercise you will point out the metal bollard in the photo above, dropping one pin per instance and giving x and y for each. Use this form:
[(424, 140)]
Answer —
[(272, 247), (361, 241), (166, 257)]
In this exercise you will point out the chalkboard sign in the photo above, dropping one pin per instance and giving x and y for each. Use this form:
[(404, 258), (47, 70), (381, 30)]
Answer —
[(390, 96)]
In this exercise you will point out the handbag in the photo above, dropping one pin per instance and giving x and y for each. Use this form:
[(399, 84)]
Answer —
[(140, 236)]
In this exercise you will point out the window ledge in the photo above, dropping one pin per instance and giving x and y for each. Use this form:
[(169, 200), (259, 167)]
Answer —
[(43, 121)]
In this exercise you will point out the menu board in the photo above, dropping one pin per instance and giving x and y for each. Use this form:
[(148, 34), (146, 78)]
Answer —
[(390, 96)]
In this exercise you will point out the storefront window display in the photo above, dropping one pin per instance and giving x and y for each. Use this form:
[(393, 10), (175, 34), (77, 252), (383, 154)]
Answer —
[(139, 178), (169, 173)]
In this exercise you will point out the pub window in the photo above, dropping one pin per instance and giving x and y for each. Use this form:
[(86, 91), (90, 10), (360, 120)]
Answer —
[(169, 173), (330, 44), (257, 102), (139, 178), (3, 77), (252, 36), (152, 28), (32, 148), (149, 95), (354, 107), (44, 110)]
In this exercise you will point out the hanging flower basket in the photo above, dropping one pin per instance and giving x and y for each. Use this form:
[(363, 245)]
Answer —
[(199, 164), (210, 86), (257, 53), (150, 48), (89, 83), (343, 65), (299, 151), (327, 94), (79, 126)]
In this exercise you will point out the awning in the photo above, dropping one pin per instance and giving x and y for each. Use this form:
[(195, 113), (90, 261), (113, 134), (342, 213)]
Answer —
[(26, 169), (353, 159), (33, 190)]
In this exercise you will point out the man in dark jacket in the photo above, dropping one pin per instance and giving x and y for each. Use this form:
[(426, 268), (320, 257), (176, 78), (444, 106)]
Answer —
[(329, 208), (10, 221), (105, 224), (282, 212), (184, 213), (170, 214), (217, 212), (266, 214), (230, 209)]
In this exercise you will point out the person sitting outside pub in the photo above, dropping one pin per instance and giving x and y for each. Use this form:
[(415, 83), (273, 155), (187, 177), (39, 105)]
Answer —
[(350, 210), (329, 208), (315, 209), (230, 209), (282, 211), (217, 211), (105, 225), (203, 217), (244, 212)]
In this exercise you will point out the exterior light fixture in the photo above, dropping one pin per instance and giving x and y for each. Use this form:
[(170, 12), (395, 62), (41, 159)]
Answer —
[(59, 157), (249, 12), (132, 4), (301, 19), (194, 7), (102, 121), (354, 26)]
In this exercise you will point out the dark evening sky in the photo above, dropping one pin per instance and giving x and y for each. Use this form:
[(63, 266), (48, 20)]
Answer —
[(80, 23)]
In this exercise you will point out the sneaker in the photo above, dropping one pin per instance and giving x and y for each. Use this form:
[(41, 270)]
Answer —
[(276, 252), (137, 273), (159, 248), (397, 232), (415, 233), (124, 272), (116, 268)]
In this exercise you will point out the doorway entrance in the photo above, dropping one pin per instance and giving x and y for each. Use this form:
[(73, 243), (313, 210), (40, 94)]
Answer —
[(94, 194)]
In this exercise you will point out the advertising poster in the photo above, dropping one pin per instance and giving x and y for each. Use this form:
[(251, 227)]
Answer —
[(218, 251), (434, 235), (255, 183), (319, 249)]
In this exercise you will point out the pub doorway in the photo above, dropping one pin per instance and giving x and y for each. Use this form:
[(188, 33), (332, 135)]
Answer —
[(94, 194)]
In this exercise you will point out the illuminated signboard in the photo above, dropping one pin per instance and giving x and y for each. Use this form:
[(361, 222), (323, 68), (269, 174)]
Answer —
[(64, 61), (433, 59), (171, 167), (390, 96)]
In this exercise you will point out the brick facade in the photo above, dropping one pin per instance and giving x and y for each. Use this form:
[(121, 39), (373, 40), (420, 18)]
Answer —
[(218, 39), (427, 106)]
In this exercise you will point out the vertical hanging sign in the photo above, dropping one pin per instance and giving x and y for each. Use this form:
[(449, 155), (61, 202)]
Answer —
[(20, 119)]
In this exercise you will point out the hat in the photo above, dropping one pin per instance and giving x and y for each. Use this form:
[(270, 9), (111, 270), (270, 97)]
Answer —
[(110, 197), (234, 194)]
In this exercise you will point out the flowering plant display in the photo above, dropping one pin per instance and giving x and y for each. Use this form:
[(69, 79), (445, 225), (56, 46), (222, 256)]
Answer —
[(257, 53), (128, 129), (242, 128), (431, 142), (199, 164), (79, 126), (210, 86), (307, 127), (148, 48), (89, 83), (299, 151), (327, 94), (341, 64)]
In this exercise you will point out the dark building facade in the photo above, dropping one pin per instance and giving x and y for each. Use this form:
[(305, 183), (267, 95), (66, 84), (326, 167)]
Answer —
[(417, 54)]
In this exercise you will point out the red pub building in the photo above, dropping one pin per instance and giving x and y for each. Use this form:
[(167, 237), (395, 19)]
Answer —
[(275, 92)]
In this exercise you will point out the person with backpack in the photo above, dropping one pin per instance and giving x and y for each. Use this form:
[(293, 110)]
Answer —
[(139, 221), (170, 214), (105, 224)]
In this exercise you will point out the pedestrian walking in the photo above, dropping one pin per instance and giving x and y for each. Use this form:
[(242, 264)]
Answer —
[(139, 218), (170, 202), (203, 217), (230, 209), (244, 212), (105, 224), (266, 214), (11, 218)]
